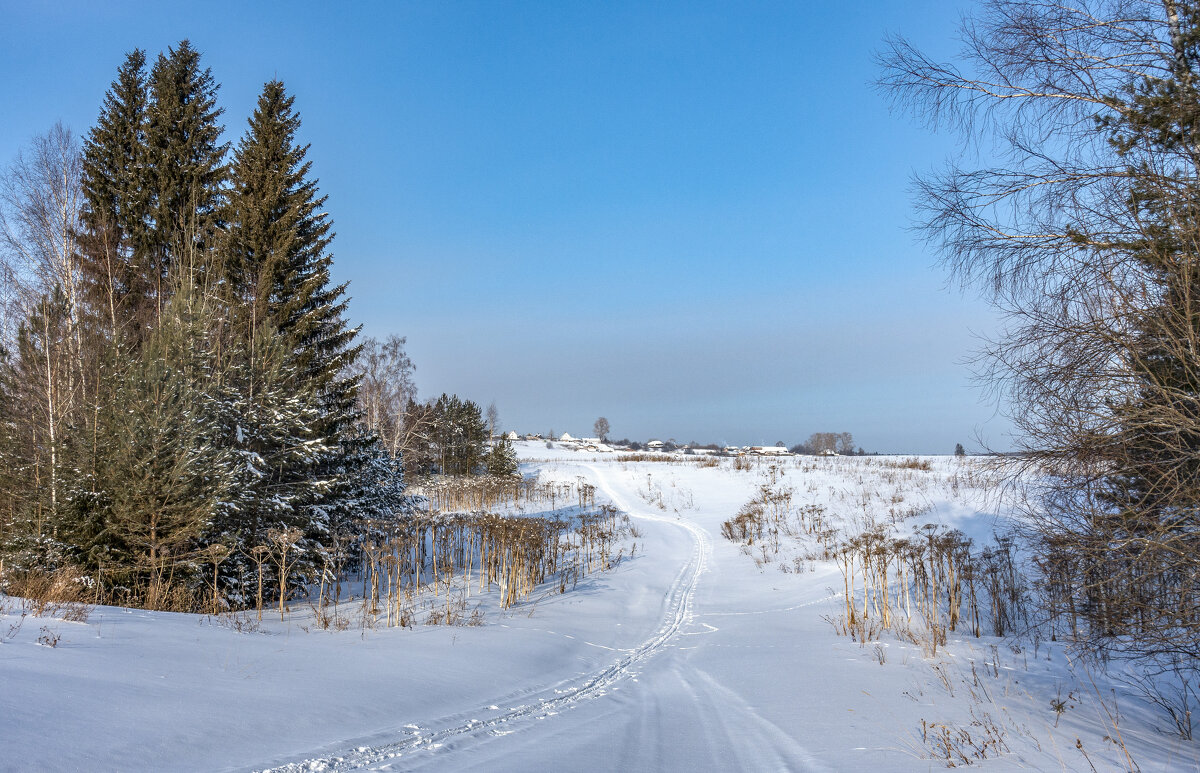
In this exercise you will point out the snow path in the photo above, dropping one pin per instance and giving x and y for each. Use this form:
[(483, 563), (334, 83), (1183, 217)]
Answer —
[(708, 701)]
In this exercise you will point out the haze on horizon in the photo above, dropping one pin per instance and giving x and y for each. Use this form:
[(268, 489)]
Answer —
[(691, 219)]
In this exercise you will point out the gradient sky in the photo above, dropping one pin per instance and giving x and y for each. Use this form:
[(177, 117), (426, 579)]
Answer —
[(691, 218)]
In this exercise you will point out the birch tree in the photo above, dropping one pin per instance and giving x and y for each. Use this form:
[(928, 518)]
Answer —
[(1084, 231)]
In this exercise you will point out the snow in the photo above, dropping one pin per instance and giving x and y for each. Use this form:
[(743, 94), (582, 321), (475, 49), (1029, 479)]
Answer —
[(689, 656)]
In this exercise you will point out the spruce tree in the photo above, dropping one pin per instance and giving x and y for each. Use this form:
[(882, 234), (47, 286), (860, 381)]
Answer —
[(459, 435), (221, 399), (270, 197), (161, 473), (276, 265), (117, 190), (269, 426), (304, 306), (501, 459), (187, 160)]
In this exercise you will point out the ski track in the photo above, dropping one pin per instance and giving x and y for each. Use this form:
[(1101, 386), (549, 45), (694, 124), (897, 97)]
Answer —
[(503, 722)]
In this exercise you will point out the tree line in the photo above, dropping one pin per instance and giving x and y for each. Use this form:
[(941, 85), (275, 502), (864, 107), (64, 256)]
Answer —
[(185, 409)]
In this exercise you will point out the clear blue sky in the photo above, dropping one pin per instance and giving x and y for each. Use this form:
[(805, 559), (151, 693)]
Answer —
[(691, 218)]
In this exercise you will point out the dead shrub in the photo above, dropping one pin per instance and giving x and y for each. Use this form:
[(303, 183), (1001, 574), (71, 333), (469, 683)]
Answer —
[(48, 638)]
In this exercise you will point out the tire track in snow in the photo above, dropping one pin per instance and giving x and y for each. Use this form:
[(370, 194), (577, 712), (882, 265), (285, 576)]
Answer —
[(680, 597)]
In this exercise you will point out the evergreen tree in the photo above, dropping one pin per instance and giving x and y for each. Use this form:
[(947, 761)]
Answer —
[(277, 260), (269, 428), (154, 172), (276, 266), (418, 424), (117, 189), (459, 436), (187, 163), (370, 501), (221, 397), (501, 459), (270, 198), (161, 474)]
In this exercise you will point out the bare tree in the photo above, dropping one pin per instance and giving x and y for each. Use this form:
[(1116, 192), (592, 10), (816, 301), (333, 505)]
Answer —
[(822, 442), (1085, 233), (40, 197), (386, 389), (601, 428), (493, 419)]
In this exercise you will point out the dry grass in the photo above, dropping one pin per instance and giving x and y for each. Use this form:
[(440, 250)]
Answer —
[(907, 464), (64, 593), (982, 738)]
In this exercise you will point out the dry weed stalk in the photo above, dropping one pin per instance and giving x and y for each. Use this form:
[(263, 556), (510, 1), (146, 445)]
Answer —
[(435, 552)]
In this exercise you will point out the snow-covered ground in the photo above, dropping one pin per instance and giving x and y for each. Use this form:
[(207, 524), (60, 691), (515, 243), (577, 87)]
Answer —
[(691, 655)]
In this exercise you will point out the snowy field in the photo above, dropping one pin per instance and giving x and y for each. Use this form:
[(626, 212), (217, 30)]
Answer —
[(694, 653)]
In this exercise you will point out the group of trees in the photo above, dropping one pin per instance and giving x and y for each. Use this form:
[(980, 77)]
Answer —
[(177, 382), (826, 442), (444, 436), (450, 437), (1085, 233)]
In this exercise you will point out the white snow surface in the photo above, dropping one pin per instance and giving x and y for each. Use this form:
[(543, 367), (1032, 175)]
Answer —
[(690, 656)]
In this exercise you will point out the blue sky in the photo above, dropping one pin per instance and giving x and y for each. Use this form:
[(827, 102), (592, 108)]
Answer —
[(691, 218)]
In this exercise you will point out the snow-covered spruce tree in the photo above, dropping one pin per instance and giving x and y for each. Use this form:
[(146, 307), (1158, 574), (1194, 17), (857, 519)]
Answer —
[(268, 425), (276, 266), (239, 419), (501, 459), (371, 500)]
